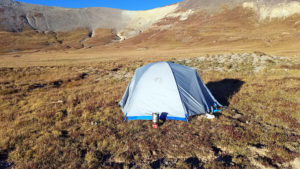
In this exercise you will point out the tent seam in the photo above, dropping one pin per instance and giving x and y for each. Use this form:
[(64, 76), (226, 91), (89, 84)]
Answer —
[(195, 100), (203, 100), (178, 89)]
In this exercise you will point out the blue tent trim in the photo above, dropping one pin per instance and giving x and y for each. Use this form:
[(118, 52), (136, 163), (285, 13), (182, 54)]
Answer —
[(186, 117), (150, 118), (216, 110), (125, 117)]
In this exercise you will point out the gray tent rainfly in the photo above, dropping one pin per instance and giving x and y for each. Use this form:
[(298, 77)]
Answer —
[(172, 90)]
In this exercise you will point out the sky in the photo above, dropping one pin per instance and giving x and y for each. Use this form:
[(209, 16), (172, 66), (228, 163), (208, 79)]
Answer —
[(120, 4)]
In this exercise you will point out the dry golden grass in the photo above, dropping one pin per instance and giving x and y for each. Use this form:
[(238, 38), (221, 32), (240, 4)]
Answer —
[(30, 39), (67, 117), (238, 28), (101, 37)]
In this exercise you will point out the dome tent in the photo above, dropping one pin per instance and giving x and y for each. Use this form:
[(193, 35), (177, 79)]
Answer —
[(172, 90)]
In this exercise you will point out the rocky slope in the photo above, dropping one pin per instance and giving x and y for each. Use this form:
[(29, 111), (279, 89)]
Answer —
[(214, 4), (15, 16)]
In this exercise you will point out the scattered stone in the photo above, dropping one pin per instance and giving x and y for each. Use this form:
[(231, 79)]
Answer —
[(250, 62), (94, 123), (98, 79), (154, 153), (119, 159), (237, 116), (259, 151), (58, 101)]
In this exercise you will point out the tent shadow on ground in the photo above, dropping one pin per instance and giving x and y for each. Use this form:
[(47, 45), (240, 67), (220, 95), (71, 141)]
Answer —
[(224, 89)]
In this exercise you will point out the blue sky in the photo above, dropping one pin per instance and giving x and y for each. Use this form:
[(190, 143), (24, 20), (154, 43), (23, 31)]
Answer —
[(120, 4)]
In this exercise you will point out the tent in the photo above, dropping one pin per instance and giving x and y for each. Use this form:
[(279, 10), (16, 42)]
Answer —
[(172, 90)]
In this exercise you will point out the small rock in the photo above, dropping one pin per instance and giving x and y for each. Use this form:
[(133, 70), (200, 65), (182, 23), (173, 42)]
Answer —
[(200, 117), (154, 153), (94, 123), (237, 116), (119, 159), (202, 58), (58, 101), (98, 79), (187, 61)]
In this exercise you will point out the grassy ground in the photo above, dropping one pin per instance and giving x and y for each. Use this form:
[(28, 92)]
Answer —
[(31, 39), (66, 116)]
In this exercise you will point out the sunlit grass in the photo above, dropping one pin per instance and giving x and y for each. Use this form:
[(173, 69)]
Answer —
[(67, 116)]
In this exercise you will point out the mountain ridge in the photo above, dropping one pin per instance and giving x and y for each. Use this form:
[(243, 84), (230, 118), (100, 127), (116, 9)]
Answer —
[(15, 16), (117, 25)]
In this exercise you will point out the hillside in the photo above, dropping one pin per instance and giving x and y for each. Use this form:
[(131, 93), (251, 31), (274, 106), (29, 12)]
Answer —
[(27, 20)]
